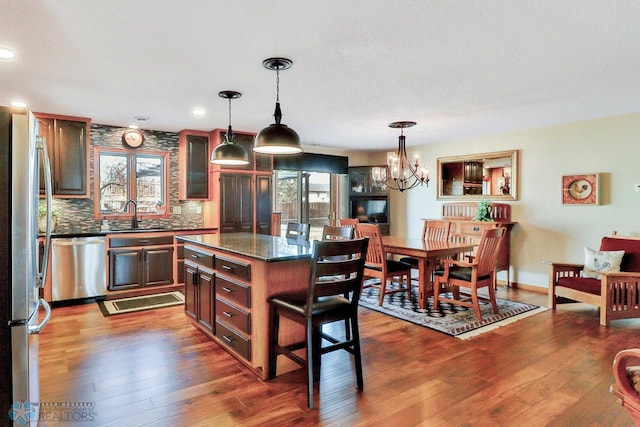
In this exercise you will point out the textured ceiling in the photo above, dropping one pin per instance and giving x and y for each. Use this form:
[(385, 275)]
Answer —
[(458, 68)]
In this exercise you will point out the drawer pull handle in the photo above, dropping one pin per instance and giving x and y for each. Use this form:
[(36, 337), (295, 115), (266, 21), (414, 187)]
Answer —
[(195, 256), (227, 339), (227, 289), (226, 313), (476, 228), (226, 267)]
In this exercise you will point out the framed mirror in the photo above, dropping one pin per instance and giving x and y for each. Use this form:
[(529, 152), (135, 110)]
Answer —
[(492, 176)]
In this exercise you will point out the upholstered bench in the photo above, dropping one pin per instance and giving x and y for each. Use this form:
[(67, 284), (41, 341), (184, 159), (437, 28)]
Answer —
[(616, 293)]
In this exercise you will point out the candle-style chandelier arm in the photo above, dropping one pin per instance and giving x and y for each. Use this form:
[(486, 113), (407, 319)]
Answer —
[(401, 173)]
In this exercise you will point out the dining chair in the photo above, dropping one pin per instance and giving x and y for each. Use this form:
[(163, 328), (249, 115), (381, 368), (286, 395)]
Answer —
[(434, 230), (298, 230), (330, 232), (626, 372), (378, 266), (473, 275), (348, 222), (337, 272)]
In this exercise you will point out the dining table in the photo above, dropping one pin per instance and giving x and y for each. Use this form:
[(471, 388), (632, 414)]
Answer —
[(427, 252)]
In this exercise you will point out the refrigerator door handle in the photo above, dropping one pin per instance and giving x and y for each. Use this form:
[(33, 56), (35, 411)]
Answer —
[(41, 145), (36, 329)]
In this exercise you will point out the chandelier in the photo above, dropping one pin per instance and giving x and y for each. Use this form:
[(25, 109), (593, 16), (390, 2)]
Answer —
[(401, 173)]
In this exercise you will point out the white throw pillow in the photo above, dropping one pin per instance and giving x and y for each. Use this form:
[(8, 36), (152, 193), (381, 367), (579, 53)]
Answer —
[(596, 262)]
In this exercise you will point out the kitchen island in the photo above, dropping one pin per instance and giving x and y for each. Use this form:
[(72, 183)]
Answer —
[(228, 279)]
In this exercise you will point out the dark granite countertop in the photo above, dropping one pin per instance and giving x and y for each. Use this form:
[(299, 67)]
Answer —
[(259, 246), (94, 233)]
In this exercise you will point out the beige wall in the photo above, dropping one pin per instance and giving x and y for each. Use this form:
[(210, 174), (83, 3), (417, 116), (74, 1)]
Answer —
[(546, 229)]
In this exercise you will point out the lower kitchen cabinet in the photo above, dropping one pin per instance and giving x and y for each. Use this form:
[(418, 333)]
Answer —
[(136, 262)]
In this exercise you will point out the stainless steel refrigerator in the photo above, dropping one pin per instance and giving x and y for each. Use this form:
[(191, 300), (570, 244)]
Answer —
[(22, 273)]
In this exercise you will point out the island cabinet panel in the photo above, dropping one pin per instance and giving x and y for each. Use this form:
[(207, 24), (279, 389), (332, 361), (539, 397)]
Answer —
[(199, 288), (243, 285)]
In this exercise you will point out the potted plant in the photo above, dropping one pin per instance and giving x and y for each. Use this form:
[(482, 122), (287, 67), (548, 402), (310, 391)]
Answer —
[(483, 211), (42, 217)]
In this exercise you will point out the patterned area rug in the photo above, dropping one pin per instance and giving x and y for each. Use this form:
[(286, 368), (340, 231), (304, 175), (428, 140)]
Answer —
[(454, 320), (148, 302)]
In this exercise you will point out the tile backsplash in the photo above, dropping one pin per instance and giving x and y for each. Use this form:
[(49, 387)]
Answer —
[(76, 215)]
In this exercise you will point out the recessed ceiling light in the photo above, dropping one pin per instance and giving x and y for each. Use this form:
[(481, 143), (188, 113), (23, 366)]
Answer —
[(141, 119), (7, 54), (198, 112), (134, 127), (18, 104)]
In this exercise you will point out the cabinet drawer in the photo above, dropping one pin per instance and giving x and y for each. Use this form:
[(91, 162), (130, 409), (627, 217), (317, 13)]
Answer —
[(121, 242), (474, 228), (233, 268), (234, 340), (233, 316), (233, 291), (201, 258)]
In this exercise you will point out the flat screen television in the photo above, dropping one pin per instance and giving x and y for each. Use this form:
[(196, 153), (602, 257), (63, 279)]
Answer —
[(370, 209)]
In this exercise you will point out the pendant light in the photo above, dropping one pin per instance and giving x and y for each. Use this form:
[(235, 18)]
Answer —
[(228, 152), (401, 173), (277, 138)]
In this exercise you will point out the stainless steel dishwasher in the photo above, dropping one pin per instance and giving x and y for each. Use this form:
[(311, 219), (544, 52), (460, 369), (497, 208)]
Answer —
[(78, 268)]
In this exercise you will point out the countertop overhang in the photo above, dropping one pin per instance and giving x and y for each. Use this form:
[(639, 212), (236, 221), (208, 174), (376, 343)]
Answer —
[(259, 246)]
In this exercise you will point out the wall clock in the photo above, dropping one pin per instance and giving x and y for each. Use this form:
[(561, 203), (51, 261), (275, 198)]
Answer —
[(580, 189), (132, 138)]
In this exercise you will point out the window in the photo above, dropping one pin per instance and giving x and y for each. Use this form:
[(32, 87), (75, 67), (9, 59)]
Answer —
[(123, 176)]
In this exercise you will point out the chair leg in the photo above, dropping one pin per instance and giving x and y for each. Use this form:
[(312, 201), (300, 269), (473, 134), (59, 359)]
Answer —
[(476, 302), (274, 326), (357, 353), (492, 299), (408, 282), (436, 292), (310, 358), (383, 290)]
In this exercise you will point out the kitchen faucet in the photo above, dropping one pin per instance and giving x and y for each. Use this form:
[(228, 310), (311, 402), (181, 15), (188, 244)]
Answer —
[(134, 220)]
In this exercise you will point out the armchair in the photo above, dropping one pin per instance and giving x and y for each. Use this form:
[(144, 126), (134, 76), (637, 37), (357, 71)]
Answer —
[(627, 384), (615, 293)]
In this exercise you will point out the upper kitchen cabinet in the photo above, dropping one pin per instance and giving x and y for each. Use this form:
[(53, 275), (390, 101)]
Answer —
[(193, 153), (68, 146)]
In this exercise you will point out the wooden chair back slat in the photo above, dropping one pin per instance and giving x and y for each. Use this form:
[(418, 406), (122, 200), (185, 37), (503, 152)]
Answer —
[(330, 232), (487, 252), (375, 252), (348, 222), (338, 268), (436, 230), (298, 230)]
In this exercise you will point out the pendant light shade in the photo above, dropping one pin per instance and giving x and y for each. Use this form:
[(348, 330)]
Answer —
[(228, 152), (277, 138)]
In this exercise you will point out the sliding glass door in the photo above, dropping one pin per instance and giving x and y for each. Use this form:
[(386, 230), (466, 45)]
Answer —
[(304, 197)]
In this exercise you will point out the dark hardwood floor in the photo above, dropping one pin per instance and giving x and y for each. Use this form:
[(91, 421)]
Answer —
[(154, 368)]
